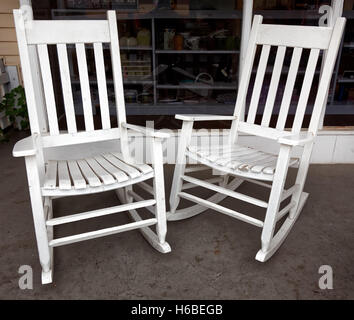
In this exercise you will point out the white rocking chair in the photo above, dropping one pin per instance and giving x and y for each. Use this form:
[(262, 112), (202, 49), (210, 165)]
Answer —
[(245, 163), (64, 172)]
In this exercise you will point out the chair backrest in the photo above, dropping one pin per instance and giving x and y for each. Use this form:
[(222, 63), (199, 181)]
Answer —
[(34, 37), (292, 41)]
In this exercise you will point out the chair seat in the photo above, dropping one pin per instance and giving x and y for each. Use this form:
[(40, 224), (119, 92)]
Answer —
[(99, 173), (238, 160)]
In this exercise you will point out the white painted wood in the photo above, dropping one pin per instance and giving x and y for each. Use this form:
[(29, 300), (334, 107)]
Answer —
[(117, 173), (305, 90), (76, 175), (245, 34), (327, 73), (88, 173), (24, 147), (50, 181), (102, 232), (63, 176), (102, 188), (139, 198), (294, 36), (70, 171), (149, 189), (104, 176), (299, 139), (66, 87), (229, 193), (82, 31), (253, 163), (85, 85), (278, 64), (203, 117), (337, 11), (159, 190), (146, 131), (99, 213), (184, 141), (115, 158), (262, 65), (48, 89), (269, 133), (245, 76), (34, 185), (289, 87), (216, 207), (26, 71), (102, 85), (67, 139)]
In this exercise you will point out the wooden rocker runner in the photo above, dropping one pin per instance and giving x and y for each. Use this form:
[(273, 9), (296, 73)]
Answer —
[(61, 173), (238, 163)]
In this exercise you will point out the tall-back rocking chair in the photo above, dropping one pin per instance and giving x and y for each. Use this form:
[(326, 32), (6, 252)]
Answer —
[(65, 170), (239, 163)]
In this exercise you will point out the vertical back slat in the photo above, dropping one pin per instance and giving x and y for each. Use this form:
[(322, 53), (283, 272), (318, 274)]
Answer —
[(85, 86), (289, 87), (102, 85), (278, 65), (305, 89), (48, 89), (66, 87), (258, 84)]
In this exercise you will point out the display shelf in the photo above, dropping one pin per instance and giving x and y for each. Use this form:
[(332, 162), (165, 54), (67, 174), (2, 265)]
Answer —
[(199, 86), (159, 17), (137, 48), (197, 51)]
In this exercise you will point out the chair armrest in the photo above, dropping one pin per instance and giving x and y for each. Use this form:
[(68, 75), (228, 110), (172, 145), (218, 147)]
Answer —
[(298, 139), (203, 117), (24, 147), (146, 131)]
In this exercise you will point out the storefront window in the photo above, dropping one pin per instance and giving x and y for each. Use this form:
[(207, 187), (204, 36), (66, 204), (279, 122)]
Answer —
[(182, 56)]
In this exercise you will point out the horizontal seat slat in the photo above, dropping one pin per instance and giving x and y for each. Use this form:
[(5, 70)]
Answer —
[(76, 175), (104, 176), (114, 158), (63, 176), (117, 173), (88, 173), (50, 180)]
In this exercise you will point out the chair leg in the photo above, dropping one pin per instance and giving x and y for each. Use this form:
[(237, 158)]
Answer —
[(186, 135), (300, 181), (159, 190), (38, 212), (274, 201)]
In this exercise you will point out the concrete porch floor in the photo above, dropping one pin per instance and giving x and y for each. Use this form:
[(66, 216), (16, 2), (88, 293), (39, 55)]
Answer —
[(212, 255)]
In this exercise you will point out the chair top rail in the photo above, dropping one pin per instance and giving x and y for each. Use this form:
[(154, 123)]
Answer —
[(66, 139), (294, 36), (80, 31)]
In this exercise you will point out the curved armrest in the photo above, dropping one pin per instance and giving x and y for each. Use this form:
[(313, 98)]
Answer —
[(203, 117), (146, 131), (298, 139), (24, 147)]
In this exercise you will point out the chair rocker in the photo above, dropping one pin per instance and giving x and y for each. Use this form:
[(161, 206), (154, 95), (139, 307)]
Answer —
[(53, 169), (238, 163)]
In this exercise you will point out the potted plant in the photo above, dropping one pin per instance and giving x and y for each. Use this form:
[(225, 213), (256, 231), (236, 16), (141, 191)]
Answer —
[(15, 108)]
